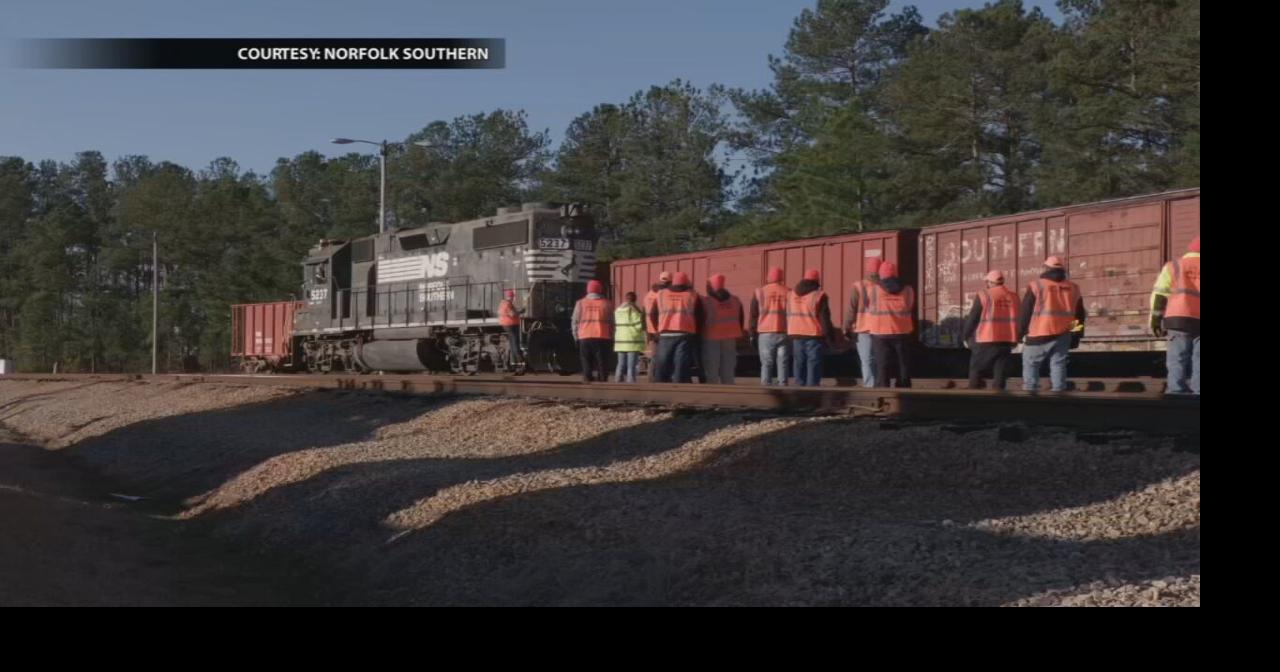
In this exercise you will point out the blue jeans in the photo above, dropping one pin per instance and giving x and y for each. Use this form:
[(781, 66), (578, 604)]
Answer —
[(675, 359), (627, 363), (1183, 353), (1057, 352), (774, 351), (866, 359), (808, 361)]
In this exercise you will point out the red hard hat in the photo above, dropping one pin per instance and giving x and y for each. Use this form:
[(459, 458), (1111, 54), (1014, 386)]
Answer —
[(995, 276), (681, 279), (812, 274), (595, 287), (775, 274), (873, 265), (1195, 245), (717, 282), (888, 270), (1054, 262), (510, 293)]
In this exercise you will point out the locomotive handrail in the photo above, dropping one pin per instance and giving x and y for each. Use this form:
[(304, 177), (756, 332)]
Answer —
[(433, 303), (480, 297)]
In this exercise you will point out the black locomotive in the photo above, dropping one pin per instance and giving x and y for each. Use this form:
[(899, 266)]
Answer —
[(426, 298)]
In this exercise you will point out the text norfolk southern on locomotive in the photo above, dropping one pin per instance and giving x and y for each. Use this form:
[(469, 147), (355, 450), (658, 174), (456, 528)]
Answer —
[(427, 298)]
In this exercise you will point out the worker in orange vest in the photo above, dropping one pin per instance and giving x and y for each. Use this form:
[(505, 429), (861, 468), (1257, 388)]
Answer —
[(809, 328), (721, 329), (1175, 312), (651, 331), (891, 320), (509, 320), (767, 324), (858, 320), (1051, 309), (991, 331), (593, 330), (676, 316)]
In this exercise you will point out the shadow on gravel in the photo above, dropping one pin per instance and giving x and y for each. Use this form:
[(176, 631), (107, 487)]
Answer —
[(795, 518), (836, 513), (63, 542), (170, 459), (831, 512)]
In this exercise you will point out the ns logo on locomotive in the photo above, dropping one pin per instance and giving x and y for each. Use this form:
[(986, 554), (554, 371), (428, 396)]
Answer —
[(426, 298)]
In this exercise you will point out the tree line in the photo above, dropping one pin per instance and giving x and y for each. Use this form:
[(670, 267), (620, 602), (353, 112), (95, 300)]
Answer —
[(872, 120)]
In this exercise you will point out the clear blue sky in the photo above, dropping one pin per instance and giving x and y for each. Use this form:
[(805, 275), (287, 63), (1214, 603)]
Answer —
[(563, 57)]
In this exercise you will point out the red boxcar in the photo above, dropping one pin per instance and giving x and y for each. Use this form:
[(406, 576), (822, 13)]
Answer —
[(839, 258), (1113, 249), (262, 335)]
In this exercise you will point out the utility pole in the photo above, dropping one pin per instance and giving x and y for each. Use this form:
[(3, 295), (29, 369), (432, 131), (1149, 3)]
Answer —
[(155, 303)]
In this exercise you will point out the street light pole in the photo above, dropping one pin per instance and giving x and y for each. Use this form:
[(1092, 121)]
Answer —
[(382, 165), (382, 192)]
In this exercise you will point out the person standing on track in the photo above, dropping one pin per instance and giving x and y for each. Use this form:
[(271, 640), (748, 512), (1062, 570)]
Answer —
[(809, 328), (509, 320), (768, 325), (1175, 312), (628, 338), (676, 316), (857, 322), (991, 331), (720, 333), (593, 329), (891, 321), (651, 332), (1052, 309)]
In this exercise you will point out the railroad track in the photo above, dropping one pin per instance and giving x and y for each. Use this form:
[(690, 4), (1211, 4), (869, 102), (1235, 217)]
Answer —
[(1109, 408)]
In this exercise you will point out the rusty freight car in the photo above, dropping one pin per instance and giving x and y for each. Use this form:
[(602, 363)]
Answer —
[(1113, 249)]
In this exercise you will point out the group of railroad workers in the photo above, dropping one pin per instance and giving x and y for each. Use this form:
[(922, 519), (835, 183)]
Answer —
[(678, 328)]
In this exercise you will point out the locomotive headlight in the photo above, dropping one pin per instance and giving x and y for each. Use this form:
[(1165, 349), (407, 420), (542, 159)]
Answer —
[(570, 231)]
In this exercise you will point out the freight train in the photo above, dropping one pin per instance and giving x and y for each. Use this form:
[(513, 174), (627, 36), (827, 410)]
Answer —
[(409, 314)]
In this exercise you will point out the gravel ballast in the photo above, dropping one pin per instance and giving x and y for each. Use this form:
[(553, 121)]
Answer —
[(386, 499)]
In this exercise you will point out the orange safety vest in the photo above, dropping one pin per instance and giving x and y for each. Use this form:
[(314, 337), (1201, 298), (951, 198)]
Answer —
[(677, 311), (862, 289), (1055, 307), (891, 314), (650, 299), (507, 316), (595, 318), (802, 313), (772, 300), (1184, 300), (723, 319), (999, 322)]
